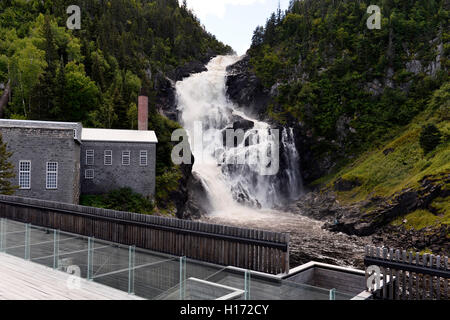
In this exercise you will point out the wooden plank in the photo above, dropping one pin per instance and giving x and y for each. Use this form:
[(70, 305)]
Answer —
[(397, 275), (404, 276), (446, 280), (438, 282), (391, 274), (410, 261), (417, 277), (425, 259), (384, 272)]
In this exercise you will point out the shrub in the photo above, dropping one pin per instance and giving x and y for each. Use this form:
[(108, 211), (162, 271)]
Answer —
[(430, 138), (124, 199)]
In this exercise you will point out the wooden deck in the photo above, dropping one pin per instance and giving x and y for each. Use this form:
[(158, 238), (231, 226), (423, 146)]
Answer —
[(23, 280)]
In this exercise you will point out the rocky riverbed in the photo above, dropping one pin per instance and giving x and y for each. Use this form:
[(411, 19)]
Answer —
[(309, 241)]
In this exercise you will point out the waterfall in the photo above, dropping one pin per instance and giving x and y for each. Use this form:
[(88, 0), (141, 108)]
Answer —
[(292, 171), (248, 171)]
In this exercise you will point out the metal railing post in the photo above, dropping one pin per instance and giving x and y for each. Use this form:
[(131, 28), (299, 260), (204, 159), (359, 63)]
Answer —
[(333, 294), (27, 241), (90, 258), (182, 278), (247, 285), (131, 265), (55, 249), (2, 234)]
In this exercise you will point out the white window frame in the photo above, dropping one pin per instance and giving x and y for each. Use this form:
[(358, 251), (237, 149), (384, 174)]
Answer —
[(90, 153), (50, 173), (23, 172), (125, 155), (106, 156), (89, 177), (143, 155)]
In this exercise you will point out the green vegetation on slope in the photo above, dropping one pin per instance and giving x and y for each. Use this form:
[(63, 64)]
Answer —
[(421, 219), (401, 162), (121, 200)]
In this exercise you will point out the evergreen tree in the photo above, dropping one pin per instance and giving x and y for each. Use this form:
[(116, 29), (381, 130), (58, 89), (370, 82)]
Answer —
[(6, 170)]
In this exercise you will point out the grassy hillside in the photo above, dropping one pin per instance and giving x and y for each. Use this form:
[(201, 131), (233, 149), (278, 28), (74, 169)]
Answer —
[(398, 164), (401, 164)]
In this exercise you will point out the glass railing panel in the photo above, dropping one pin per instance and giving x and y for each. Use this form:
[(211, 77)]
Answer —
[(199, 270), (73, 250), (155, 278), (42, 246), (108, 258), (14, 238)]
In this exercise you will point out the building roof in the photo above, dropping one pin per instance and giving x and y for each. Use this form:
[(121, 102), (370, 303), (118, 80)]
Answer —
[(53, 125), (38, 124), (112, 135)]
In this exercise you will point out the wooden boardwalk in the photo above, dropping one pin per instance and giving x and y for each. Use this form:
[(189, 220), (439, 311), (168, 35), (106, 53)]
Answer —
[(23, 280)]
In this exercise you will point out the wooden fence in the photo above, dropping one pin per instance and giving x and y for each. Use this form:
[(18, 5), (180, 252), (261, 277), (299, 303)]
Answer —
[(408, 275), (229, 246)]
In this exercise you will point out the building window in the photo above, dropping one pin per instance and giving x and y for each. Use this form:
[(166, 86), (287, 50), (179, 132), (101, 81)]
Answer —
[(143, 159), (126, 158), (108, 158), (52, 175), (25, 174), (89, 174), (90, 157)]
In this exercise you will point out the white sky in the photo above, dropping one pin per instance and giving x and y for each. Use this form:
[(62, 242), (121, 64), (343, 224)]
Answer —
[(233, 21)]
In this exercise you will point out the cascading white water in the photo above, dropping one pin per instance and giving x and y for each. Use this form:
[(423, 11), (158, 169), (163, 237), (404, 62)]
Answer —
[(203, 104)]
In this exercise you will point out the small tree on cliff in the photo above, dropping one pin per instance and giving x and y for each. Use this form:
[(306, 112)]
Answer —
[(430, 138), (6, 170)]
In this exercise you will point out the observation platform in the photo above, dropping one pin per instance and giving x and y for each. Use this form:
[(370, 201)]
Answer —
[(38, 263), (24, 280)]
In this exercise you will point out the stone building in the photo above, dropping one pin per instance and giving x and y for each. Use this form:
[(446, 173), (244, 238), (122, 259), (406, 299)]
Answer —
[(111, 159), (59, 160), (46, 157)]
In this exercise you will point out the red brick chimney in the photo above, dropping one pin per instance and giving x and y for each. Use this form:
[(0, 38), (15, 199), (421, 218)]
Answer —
[(143, 112)]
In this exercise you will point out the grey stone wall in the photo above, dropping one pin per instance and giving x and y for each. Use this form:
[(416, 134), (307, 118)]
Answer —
[(42, 145), (107, 178)]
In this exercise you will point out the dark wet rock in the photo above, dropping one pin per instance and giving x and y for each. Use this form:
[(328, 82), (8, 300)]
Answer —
[(245, 89), (243, 124), (369, 217), (435, 239), (197, 204), (187, 70), (166, 97)]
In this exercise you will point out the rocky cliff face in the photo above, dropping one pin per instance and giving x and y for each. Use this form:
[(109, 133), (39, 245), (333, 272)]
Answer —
[(245, 89), (374, 217)]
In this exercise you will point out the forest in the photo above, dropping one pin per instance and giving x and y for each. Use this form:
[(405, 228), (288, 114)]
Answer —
[(326, 65), (94, 75)]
